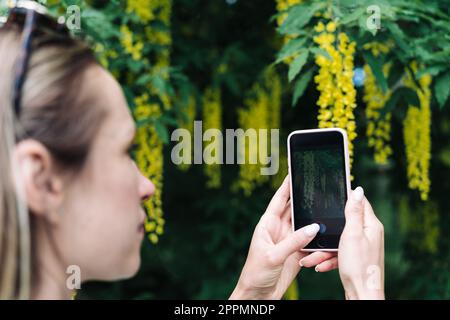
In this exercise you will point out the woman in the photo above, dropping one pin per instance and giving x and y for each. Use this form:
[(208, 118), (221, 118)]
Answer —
[(70, 194)]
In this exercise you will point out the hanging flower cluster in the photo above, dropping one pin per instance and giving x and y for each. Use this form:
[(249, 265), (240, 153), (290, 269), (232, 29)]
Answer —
[(212, 119), (154, 20), (416, 132), (149, 158), (335, 81), (378, 128), (262, 111)]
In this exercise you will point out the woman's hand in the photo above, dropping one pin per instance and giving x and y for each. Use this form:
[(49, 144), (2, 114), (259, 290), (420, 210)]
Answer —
[(361, 250), (273, 259)]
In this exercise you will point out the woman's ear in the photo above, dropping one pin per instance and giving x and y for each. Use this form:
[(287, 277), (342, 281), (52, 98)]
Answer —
[(42, 185)]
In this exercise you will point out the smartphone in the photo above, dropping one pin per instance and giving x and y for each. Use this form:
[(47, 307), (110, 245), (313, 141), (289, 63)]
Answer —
[(320, 183)]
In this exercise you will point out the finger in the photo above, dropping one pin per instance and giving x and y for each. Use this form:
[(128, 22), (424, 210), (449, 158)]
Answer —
[(292, 243), (286, 215), (370, 219), (316, 258), (286, 222), (279, 200), (373, 227), (327, 265), (354, 212)]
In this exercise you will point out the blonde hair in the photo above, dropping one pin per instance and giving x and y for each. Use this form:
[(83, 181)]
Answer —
[(54, 113)]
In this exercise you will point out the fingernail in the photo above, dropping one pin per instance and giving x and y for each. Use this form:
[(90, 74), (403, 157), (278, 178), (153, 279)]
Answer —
[(311, 230), (301, 263), (316, 269), (358, 194)]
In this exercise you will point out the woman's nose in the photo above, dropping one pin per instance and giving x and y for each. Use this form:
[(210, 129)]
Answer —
[(146, 187)]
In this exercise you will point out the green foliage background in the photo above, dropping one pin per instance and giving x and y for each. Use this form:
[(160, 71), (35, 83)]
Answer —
[(207, 232)]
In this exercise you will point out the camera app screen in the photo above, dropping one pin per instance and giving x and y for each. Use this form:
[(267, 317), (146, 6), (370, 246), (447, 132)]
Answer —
[(319, 187)]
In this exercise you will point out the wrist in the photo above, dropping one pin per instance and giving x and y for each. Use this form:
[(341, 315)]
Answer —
[(244, 291), (361, 293)]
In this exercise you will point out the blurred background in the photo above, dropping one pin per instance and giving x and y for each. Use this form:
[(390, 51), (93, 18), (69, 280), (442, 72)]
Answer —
[(379, 69)]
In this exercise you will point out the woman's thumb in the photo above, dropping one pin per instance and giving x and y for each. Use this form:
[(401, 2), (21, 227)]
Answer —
[(294, 242)]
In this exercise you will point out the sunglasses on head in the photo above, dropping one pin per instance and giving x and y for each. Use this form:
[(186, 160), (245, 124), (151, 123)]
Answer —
[(34, 20)]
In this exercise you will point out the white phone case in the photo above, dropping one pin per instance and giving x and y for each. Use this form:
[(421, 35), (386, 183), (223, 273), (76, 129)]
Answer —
[(347, 170)]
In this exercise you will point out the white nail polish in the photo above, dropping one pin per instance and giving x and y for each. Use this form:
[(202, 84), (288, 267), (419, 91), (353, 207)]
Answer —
[(358, 194), (311, 230), (317, 270)]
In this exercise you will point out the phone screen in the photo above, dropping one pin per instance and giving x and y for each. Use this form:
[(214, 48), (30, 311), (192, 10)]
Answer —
[(319, 184)]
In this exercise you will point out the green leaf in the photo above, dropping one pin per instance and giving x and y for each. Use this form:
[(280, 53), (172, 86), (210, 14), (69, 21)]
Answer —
[(290, 48), (442, 89), (410, 96), (301, 85), (352, 16), (431, 70), (405, 94), (377, 70), (166, 119), (399, 37), (162, 131), (144, 79), (390, 104), (159, 84), (299, 16), (135, 65), (396, 72), (297, 65), (320, 52)]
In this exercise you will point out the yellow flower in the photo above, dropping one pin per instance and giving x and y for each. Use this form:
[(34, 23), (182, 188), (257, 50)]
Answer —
[(335, 82), (320, 27), (416, 132), (331, 26), (142, 8), (149, 158), (378, 48), (378, 129), (132, 47), (149, 10)]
